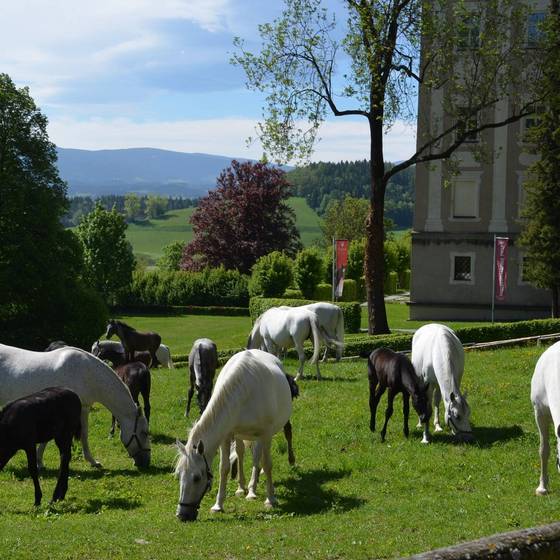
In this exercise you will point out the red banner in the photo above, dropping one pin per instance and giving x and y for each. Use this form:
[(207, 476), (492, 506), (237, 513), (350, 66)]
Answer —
[(500, 267), (341, 262)]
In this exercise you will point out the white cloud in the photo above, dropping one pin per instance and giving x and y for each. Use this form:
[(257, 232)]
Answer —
[(339, 140)]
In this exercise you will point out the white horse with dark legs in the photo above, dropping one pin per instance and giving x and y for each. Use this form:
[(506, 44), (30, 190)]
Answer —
[(331, 321), (251, 401), (284, 327), (545, 396), (439, 360), (23, 372)]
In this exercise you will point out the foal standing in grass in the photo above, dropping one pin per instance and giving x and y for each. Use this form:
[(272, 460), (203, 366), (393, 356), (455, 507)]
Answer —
[(53, 413), (393, 371)]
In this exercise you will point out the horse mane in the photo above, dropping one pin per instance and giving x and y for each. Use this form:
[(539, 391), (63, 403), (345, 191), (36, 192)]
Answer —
[(230, 385), (124, 326)]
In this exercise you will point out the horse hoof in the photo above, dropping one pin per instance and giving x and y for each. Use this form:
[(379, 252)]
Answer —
[(540, 491), (217, 509), (240, 492), (270, 503), (425, 441), (251, 496), (96, 465), (292, 460), (438, 429)]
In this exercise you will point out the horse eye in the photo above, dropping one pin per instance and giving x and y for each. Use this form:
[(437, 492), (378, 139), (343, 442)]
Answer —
[(196, 478)]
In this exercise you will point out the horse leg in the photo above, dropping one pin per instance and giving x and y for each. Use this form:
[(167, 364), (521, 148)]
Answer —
[(288, 436), (324, 358), (271, 500), (31, 453), (146, 399), (242, 483), (388, 412), (406, 411), (437, 401), (372, 378), (429, 395), (40, 453), (301, 356), (257, 451), (224, 470), (378, 393), (85, 440), (112, 430), (190, 396), (65, 447), (543, 423)]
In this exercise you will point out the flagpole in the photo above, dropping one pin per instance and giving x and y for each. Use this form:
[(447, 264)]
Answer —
[(493, 277), (333, 267)]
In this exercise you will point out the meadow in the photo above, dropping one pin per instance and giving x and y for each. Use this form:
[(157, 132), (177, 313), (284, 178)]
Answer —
[(149, 237), (349, 496)]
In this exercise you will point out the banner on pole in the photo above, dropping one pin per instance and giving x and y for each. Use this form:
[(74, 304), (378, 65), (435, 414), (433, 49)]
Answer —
[(500, 267), (341, 262)]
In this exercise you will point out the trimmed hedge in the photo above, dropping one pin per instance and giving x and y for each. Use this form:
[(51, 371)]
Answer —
[(323, 292), (180, 310), (351, 310)]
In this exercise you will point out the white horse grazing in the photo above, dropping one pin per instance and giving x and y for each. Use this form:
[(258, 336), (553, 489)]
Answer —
[(284, 327), (439, 359), (163, 354), (23, 372), (331, 321), (545, 396), (251, 401)]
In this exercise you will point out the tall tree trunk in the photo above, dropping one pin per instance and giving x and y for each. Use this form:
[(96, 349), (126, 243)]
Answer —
[(374, 263), (554, 290)]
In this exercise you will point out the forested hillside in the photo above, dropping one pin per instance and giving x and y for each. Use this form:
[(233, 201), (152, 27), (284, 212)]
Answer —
[(319, 183)]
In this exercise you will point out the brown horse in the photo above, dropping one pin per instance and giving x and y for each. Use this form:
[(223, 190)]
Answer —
[(395, 372), (132, 340), (52, 413), (136, 376)]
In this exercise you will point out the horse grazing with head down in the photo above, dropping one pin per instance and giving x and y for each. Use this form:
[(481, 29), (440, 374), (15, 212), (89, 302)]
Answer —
[(133, 341), (203, 362), (388, 369), (439, 360), (284, 327), (545, 397), (23, 372), (251, 401), (53, 413)]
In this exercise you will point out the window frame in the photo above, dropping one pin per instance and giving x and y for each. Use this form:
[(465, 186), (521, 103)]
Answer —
[(475, 177), (452, 279)]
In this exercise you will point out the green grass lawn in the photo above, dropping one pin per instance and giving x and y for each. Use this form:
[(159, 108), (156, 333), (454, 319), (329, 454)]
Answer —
[(350, 496), (148, 238)]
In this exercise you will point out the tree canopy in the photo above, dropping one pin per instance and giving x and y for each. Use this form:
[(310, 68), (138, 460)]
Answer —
[(41, 295), (244, 218), (310, 65), (541, 231)]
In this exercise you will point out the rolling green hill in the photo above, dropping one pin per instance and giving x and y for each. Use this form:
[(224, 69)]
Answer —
[(148, 238)]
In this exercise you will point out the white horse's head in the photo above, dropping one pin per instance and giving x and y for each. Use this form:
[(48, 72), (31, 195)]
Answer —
[(135, 437), (457, 417), (195, 479)]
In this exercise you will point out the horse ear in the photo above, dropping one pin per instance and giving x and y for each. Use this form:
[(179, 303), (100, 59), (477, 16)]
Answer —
[(200, 447), (182, 449)]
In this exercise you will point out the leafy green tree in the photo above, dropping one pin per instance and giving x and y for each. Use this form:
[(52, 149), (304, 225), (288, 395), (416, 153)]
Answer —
[(172, 256), (382, 70), (108, 256), (271, 275), (156, 206), (345, 219), (41, 294), (133, 207), (308, 271), (541, 231)]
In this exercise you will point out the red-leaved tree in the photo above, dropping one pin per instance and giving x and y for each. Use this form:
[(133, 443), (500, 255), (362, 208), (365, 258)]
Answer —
[(244, 218)]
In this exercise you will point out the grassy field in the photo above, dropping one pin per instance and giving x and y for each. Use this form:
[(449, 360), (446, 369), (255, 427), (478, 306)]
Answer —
[(349, 496), (148, 238)]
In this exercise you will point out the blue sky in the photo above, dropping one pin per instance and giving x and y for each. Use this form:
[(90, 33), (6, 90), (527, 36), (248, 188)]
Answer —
[(137, 73)]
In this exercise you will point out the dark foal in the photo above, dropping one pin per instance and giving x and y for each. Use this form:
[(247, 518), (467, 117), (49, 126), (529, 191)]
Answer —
[(133, 340), (393, 371), (118, 358), (136, 376), (52, 413)]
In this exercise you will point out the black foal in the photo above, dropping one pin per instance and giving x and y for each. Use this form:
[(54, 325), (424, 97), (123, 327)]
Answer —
[(388, 369), (52, 413)]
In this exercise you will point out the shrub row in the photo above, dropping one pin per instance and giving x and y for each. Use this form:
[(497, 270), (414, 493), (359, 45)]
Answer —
[(210, 287), (180, 310), (351, 310)]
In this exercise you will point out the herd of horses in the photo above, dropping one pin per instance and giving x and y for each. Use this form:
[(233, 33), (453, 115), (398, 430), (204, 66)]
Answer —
[(48, 395)]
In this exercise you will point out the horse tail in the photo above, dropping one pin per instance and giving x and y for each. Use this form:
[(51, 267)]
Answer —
[(251, 341), (331, 341), (197, 365), (314, 324)]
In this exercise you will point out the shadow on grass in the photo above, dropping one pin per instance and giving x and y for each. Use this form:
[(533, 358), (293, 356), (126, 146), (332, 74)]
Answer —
[(338, 378), (484, 436), (163, 439), (21, 473), (96, 505), (305, 495)]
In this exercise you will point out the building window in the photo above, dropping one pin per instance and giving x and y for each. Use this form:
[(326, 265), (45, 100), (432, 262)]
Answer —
[(462, 268), (465, 198), (524, 265), (469, 33), (467, 121), (534, 28)]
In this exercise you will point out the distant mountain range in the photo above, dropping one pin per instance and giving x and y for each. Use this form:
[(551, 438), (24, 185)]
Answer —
[(140, 170)]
